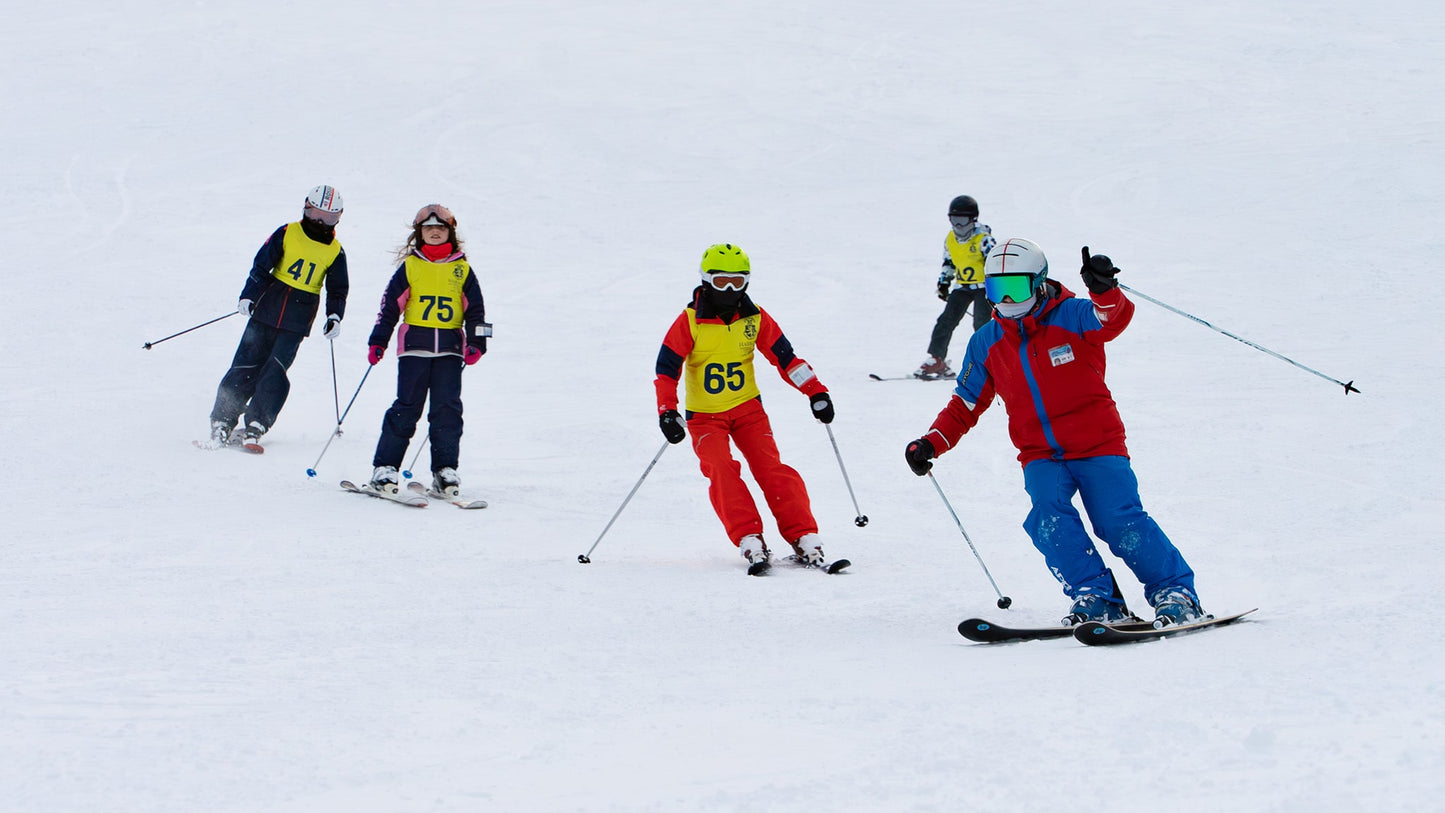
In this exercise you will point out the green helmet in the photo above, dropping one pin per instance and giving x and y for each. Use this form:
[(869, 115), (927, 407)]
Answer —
[(726, 258)]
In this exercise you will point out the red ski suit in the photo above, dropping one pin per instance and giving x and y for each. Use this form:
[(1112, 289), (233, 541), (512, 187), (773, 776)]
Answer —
[(715, 353)]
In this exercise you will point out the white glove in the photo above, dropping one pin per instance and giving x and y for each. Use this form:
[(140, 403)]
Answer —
[(332, 328), (244, 307)]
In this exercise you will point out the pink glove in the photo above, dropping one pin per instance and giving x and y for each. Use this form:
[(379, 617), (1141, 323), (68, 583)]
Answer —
[(375, 353), (473, 355)]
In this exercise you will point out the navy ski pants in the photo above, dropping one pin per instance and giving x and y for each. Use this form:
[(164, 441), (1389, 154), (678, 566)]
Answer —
[(416, 377), (257, 382), (1110, 493)]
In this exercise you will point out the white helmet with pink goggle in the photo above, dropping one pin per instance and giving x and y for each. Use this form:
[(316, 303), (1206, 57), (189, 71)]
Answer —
[(323, 205)]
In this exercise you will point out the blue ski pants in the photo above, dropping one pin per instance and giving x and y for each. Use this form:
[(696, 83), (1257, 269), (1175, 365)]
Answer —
[(1110, 493), (416, 378), (257, 382)]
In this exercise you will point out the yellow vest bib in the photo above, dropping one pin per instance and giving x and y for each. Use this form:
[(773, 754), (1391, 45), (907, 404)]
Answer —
[(719, 370), (436, 292), (304, 261), (967, 258)]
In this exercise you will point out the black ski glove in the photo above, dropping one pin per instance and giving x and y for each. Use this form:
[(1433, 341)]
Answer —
[(1098, 272), (943, 290), (822, 404), (672, 426), (919, 455)]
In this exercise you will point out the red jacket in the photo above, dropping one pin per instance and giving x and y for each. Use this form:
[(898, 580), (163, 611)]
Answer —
[(1048, 368)]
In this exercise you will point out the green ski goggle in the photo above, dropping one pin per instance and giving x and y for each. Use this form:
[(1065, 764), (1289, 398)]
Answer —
[(1008, 287)]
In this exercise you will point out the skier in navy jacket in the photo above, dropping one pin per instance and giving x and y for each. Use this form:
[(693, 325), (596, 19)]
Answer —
[(281, 295)]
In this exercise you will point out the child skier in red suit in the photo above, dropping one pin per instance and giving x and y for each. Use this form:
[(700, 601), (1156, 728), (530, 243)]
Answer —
[(711, 344)]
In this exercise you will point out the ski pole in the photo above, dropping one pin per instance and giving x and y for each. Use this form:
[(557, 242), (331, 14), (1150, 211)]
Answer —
[(335, 391), (311, 472), (859, 520), (1348, 385), (1003, 600), (149, 345), (407, 473), (587, 557)]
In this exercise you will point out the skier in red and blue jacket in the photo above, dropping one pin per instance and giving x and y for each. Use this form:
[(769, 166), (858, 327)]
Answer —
[(1043, 354)]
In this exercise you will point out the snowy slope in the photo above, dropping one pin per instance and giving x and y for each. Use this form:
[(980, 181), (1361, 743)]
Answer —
[(189, 631)]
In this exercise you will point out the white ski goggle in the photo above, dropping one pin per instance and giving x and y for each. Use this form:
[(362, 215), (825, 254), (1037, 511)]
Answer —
[(726, 281)]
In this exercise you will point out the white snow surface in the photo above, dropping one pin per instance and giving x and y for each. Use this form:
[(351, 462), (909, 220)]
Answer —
[(184, 631)]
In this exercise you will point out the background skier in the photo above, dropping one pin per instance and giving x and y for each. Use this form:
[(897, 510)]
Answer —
[(960, 284), (281, 295)]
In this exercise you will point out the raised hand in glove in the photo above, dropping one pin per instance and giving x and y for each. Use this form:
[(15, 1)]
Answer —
[(672, 426), (822, 404), (1098, 272), (919, 455), (332, 328)]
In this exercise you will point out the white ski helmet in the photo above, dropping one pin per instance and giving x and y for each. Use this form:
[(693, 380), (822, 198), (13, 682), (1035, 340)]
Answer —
[(324, 205), (1015, 269)]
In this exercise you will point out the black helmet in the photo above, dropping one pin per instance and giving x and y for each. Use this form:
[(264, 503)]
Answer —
[(963, 206)]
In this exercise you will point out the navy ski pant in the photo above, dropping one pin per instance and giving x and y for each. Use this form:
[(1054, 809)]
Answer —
[(1110, 493), (257, 382), (956, 304), (416, 377)]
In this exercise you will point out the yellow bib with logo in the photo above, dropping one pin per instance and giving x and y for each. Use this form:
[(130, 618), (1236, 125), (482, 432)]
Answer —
[(304, 261), (967, 258), (719, 370), (436, 292)]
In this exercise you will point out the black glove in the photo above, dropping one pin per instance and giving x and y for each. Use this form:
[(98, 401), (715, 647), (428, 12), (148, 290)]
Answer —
[(943, 290), (822, 405), (1098, 272), (672, 426), (919, 455)]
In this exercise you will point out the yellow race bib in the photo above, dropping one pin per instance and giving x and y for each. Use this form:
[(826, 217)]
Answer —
[(436, 292), (304, 261), (719, 370)]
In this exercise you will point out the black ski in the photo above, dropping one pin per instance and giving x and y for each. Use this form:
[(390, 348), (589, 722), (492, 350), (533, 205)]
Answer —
[(986, 632), (759, 568), (877, 377), (1096, 634), (835, 566)]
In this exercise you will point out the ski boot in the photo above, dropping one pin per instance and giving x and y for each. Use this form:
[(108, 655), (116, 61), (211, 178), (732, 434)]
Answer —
[(756, 552), (1175, 605), (446, 482), (383, 478)]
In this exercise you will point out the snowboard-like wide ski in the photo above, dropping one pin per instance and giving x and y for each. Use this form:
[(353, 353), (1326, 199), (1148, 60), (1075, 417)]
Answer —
[(460, 502), (986, 632), (1096, 634), (365, 488)]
